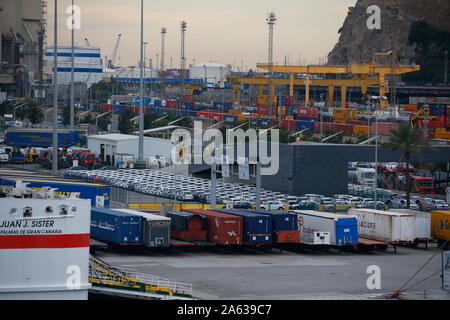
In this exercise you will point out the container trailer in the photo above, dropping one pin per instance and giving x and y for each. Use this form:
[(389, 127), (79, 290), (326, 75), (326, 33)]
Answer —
[(156, 228), (40, 138), (223, 229), (341, 229), (187, 226), (115, 227), (422, 224), (440, 227), (284, 226), (393, 227), (257, 227)]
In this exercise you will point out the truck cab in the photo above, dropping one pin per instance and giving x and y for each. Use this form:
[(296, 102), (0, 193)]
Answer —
[(423, 185), (366, 176)]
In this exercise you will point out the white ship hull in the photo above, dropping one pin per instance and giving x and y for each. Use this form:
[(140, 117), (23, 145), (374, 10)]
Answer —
[(44, 256)]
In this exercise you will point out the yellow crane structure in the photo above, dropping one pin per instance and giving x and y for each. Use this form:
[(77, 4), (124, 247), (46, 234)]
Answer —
[(358, 74)]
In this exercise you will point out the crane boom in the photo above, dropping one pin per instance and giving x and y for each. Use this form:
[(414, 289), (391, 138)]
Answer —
[(116, 47)]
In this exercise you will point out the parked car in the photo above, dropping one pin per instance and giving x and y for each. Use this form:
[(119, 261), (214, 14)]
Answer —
[(272, 205)]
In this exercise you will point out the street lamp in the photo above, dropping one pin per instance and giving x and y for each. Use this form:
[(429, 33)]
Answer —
[(379, 98)]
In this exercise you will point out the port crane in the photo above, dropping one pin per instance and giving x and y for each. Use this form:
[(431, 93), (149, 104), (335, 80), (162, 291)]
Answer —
[(116, 48), (362, 73)]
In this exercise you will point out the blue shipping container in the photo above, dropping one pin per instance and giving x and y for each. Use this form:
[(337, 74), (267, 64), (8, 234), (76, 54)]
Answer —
[(117, 227), (281, 221), (301, 125), (39, 138), (257, 227), (65, 188), (229, 118)]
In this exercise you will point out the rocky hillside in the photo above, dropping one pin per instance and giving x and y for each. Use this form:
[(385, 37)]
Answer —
[(413, 29)]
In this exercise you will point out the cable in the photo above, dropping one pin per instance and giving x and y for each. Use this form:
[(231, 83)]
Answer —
[(437, 272), (398, 291)]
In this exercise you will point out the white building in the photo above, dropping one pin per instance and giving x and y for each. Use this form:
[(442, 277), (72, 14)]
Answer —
[(88, 67), (129, 73), (213, 72), (117, 147)]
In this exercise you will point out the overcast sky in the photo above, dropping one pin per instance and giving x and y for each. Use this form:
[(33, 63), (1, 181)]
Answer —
[(224, 31)]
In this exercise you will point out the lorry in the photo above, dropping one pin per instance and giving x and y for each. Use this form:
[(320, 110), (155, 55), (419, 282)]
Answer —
[(27, 137), (365, 176), (440, 227)]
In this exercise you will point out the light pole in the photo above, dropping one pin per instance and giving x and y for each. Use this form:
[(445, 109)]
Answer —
[(141, 89), (446, 67), (379, 98), (72, 88), (55, 95)]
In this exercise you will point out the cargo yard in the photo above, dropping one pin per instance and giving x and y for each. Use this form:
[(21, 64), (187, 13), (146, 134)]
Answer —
[(213, 181)]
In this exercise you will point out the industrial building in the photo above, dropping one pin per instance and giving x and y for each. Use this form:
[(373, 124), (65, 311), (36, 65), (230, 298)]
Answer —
[(22, 30), (119, 147), (88, 67)]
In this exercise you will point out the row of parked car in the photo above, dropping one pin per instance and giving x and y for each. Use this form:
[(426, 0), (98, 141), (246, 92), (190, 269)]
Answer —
[(233, 195)]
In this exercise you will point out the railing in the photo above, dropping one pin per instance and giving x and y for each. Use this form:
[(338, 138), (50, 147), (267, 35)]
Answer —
[(103, 274)]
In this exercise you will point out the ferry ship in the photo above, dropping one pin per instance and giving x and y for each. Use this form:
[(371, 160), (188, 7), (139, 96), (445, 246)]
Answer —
[(44, 245)]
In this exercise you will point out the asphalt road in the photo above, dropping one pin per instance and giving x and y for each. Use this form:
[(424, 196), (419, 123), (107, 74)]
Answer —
[(259, 274)]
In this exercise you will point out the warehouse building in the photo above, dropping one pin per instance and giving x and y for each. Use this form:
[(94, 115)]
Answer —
[(213, 72), (114, 148)]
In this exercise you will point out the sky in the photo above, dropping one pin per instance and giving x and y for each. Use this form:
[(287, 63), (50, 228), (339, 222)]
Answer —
[(232, 32)]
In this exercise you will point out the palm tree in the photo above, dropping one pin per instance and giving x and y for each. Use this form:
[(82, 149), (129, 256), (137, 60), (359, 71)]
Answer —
[(408, 140)]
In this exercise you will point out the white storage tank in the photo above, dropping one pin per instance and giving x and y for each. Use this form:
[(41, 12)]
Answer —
[(88, 67), (384, 225), (214, 72)]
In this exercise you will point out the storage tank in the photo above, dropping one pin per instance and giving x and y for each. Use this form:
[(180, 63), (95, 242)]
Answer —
[(384, 225), (88, 67), (343, 229), (214, 72)]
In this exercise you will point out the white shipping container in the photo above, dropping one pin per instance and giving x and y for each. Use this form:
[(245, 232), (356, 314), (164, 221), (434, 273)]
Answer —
[(311, 223), (422, 223), (384, 225)]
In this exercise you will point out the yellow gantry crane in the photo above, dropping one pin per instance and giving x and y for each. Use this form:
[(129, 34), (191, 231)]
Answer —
[(361, 74)]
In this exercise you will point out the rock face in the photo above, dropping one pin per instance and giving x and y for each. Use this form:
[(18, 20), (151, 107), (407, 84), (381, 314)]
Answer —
[(357, 43)]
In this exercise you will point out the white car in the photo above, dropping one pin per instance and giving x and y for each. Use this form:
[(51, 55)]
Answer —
[(4, 157), (272, 205)]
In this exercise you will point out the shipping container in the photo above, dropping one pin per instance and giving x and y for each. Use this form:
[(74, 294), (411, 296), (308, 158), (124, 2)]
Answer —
[(343, 229), (116, 227), (301, 125), (284, 226), (223, 229), (257, 227), (187, 226), (384, 225), (384, 128), (422, 223), (39, 138), (307, 112), (156, 228), (66, 188), (230, 119), (345, 114), (360, 130), (440, 225)]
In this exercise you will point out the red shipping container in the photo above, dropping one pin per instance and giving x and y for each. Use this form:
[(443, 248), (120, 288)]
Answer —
[(187, 226), (106, 107), (384, 128), (223, 229), (356, 122), (447, 121), (346, 128), (186, 98), (307, 112)]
